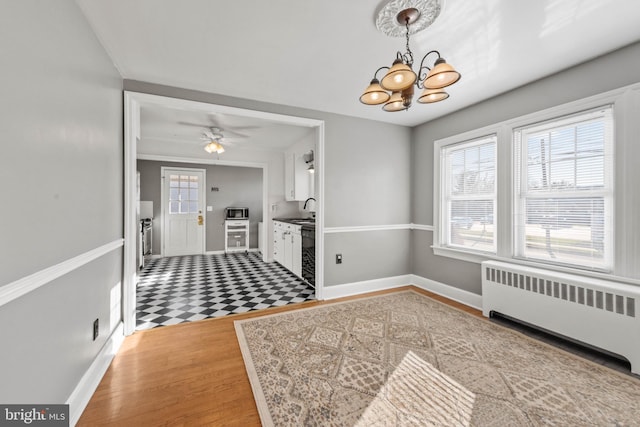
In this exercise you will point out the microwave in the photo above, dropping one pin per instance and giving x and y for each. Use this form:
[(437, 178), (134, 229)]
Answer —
[(237, 213)]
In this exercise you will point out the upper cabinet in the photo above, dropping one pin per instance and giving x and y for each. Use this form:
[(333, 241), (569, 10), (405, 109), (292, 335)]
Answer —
[(296, 177), (298, 181)]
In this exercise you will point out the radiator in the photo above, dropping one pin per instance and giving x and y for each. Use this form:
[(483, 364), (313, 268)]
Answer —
[(597, 312)]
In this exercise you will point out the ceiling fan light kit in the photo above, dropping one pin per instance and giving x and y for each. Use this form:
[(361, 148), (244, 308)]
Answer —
[(214, 147), (213, 136), (400, 79)]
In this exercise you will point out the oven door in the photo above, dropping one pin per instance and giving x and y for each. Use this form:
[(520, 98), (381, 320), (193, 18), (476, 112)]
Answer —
[(309, 255)]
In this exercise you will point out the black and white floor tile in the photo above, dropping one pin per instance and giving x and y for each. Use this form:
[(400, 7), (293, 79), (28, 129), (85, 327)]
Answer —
[(186, 288)]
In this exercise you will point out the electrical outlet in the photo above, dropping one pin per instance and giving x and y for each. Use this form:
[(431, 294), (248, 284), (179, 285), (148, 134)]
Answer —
[(338, 258), (96, 329)]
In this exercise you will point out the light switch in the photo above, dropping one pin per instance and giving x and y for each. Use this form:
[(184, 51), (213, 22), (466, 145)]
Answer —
[(209, 208)]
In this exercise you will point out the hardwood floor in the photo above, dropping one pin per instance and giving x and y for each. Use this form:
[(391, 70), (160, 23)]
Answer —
[(187, 374)]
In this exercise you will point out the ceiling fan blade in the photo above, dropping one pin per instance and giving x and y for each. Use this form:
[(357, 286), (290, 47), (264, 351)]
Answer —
[(238, 134), (200, 125)]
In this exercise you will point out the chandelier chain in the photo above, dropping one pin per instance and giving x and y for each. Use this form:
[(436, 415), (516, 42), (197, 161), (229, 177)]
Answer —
[(409, 54)]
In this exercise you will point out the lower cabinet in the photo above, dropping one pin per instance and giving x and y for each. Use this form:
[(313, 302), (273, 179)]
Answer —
[(287, 246)]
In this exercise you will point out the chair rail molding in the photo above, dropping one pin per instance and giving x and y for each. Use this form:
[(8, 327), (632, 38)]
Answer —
[(20, 287)]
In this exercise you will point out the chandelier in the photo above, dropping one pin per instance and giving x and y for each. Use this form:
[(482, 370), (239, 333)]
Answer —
[(396, 89)]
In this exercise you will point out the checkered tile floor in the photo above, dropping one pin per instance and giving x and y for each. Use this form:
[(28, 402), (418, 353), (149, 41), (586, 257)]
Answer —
[(187, 288)]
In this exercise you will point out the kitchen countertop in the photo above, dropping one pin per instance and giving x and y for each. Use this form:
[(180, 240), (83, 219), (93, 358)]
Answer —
[(306, 222)]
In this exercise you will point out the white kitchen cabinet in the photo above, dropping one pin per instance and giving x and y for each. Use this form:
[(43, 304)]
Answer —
[(297, 179), (278, 242), (236, 235), (287, 246)]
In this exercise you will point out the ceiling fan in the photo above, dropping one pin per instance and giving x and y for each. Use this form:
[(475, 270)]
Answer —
[(213, 137), (218, 123)]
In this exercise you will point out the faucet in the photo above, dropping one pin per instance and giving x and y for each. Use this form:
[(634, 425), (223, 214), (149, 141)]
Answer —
[(307, 201)]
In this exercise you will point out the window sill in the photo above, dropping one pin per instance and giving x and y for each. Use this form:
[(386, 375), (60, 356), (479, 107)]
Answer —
[(478, 258), (463, 255)]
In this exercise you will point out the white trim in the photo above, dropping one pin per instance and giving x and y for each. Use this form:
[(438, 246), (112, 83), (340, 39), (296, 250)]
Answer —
[(422, 227), (32, 282), (185, 104), (626, 109), (319, 178), (199, 160), (214, 253), (133, 101), (89, 382), (357, 288), (129, 267), (365, 286), (479, 258), (222, 252), (465, 297), (355, 229)]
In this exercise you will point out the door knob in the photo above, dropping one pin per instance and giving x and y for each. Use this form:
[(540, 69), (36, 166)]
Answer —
[(200, 220)]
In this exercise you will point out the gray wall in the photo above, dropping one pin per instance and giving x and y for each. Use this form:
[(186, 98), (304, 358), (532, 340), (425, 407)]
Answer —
[(61, 169), (366, 183), (379, 254), (238, 186), (617, 69)]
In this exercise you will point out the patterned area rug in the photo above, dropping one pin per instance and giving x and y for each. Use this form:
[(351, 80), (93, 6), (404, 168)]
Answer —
[(406, 359)]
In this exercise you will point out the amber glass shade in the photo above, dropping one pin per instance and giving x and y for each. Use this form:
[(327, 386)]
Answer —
[(429, 96), (441, 75), (395, 103), (399, 77), (374, 94)]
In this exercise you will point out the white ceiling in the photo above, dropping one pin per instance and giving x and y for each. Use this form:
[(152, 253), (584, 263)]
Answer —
[(321, 54), (180, 127)]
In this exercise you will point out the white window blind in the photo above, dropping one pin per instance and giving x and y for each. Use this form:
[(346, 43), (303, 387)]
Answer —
[(469, 194), (564, 190)]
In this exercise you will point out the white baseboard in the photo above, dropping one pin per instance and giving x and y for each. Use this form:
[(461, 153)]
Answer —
[(89, 382), (356, 288), (448, 291), (223, 252)]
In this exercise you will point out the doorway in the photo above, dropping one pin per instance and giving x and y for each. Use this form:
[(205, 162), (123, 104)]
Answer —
[(183, 226), (134, 101)]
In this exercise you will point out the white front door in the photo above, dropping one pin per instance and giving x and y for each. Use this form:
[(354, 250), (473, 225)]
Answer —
[(183, 211)]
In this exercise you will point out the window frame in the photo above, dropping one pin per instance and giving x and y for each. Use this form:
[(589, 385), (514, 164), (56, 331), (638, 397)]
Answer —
[(625, 102), (447, 197), (521, 174)]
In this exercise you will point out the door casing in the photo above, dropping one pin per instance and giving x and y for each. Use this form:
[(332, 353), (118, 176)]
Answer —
[(132, 104)]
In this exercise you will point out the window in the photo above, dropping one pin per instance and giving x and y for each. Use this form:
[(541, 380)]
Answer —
[(469, 195), (564, 190), (183, 194)]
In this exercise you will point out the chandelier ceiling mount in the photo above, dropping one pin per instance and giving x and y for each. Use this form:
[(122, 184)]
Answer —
[(396, 89)]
